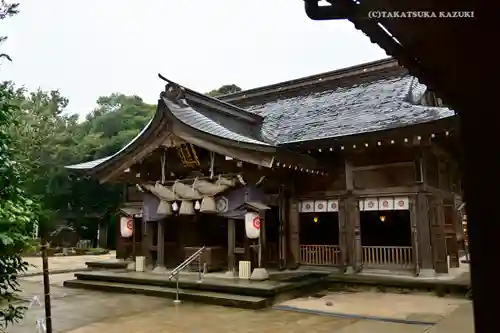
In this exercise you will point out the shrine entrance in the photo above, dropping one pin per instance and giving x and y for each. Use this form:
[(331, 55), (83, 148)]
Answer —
[(319, 233), (386, 236)]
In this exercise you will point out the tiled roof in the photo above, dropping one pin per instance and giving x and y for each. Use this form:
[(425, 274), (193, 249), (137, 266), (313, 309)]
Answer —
[(366, 107), (89, 164), (383, 103), (204, 120)]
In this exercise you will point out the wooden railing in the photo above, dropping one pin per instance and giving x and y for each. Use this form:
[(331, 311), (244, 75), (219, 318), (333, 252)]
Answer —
[(320, 255), (388, 256)]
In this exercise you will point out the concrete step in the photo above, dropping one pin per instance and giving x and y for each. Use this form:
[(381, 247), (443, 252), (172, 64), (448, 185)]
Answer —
[(113, 264), (206, 297)]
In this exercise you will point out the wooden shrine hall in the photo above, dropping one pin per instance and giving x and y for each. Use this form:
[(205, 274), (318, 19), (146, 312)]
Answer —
[(351, 169)]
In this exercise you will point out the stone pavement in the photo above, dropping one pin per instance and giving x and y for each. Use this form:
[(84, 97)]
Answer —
[(460, 321), (83, 311), (395, 307), (69, 263)]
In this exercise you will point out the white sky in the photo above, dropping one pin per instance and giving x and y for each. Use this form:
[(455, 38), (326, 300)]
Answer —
[(90, 48)]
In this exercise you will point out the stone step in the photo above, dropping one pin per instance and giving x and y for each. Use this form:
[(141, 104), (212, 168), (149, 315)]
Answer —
[(113, 264), (206, 297)]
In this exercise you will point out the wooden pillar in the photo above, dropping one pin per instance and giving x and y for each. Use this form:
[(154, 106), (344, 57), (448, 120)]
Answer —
[(425, 260), (438, 238), (293, 233), (263, 240), (147, 243), (160, 247), (414, 234), (352, 222), (343, 244), (282, 242), (353, 233), (247, 255), (231, 239)]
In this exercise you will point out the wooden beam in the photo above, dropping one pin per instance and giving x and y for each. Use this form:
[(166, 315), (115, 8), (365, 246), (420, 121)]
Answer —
[(380, 166), (399, 190)]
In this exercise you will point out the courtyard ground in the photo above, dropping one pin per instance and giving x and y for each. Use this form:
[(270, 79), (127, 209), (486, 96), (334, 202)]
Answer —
[(64, 263), (83, 311)]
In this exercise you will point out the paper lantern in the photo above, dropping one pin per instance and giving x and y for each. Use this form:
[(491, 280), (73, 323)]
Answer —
[(164, 208), (126, 226), (186, 208), (208, 205), (252, 225)]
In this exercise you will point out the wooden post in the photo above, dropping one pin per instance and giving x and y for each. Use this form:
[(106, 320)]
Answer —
[(282, 243), (147, 242), (438, 239), (231, 238), (263, 241), (160, 248), (352, 221), (415, 236), (293, 233), (343, 233), (423, 231), (46, 287), (355, 250)]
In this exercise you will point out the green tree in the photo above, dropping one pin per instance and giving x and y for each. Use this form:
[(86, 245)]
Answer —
[(224, 90), (49, 139), (17, 211)]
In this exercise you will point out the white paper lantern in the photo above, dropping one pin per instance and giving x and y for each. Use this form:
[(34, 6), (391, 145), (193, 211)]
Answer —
[(252, 225), (126, 226)]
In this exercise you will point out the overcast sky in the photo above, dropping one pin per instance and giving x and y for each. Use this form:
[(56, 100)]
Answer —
[(90, 48)]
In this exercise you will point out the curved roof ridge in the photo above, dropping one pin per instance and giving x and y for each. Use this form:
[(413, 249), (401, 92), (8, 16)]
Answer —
[(221, 106), (335, 75)]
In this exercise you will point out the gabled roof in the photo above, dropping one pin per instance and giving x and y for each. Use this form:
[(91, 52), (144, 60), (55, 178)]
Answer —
[(366, 98), (361, 108), (205, 122)]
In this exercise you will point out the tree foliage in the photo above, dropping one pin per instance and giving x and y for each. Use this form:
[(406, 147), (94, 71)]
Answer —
[(224, 90), (55, 139), (17, 211)]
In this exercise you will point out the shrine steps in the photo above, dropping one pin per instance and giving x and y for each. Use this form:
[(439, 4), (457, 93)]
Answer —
[(111, 264), (206, 297), (217, 291)]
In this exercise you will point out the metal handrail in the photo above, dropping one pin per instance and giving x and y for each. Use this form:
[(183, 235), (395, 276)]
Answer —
[(176, 271)]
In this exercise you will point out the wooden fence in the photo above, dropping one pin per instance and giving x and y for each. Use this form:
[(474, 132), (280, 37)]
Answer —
[(320, 255), (388, 257)]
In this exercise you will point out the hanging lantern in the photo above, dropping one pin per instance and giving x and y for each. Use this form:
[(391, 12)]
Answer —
[(164, 208), (175, 206), (252, 225), (126, 226), (197, 205), (187, 208), (208, 205)]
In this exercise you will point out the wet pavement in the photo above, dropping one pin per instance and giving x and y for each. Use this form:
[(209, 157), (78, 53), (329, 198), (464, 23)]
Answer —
[(64, 263), (417, 307), (83, 311)]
